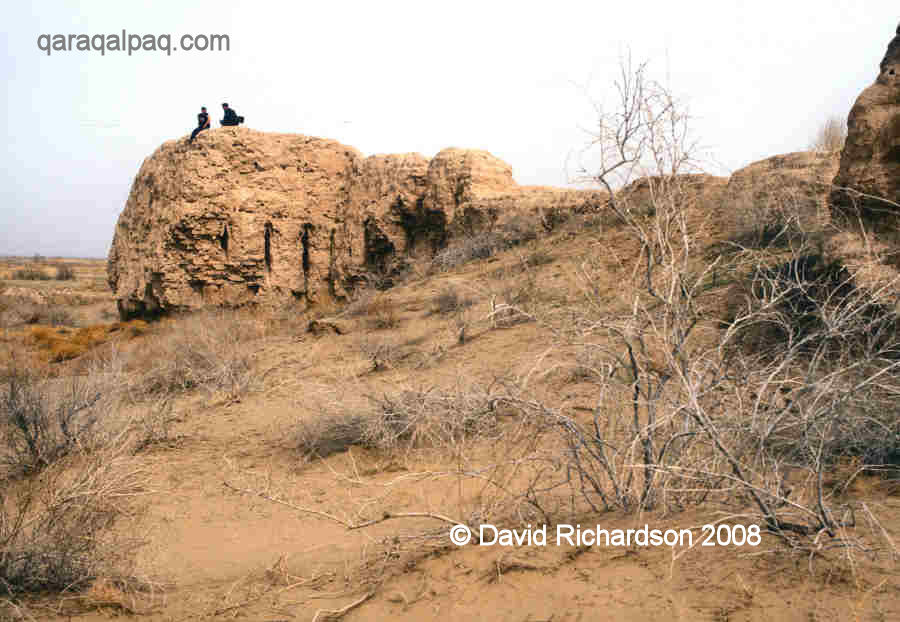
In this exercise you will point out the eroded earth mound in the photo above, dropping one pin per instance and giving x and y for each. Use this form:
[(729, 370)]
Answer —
[(242, 215)]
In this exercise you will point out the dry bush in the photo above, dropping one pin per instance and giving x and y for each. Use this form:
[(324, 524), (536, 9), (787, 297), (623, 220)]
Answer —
[(32, 273), (432, 418), (447, 301), (42, 421), (831, 136), (768, 216), (521, 228), (54, 315), (823, 357), (553, 218), (152, 427), (484, 444), (397, 423), (55, 529), (16, 312), (466, 249), (589, 365), (65, 479), (517, 301), (64, 272), (379, 311), (382, 352), (389, 272), (382, 314), (207, 350), (524, 227), (706, 421), (537, 258), (765, 225), (330, 434)]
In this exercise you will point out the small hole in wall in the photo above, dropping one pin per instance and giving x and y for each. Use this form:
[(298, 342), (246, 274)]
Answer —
[(223, 239), (891, 72)]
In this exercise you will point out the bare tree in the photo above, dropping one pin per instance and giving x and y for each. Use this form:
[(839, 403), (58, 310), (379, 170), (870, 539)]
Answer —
[(707, 415), (831, 136)]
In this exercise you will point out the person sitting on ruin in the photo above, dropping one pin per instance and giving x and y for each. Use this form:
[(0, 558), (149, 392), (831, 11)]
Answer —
[(202, 123), (231, 117)]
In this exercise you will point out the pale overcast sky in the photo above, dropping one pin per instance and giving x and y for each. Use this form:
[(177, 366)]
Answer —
[(390, 77)]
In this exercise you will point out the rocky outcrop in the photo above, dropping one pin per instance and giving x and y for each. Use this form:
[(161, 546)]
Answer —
[(244, 216), (870, 160)]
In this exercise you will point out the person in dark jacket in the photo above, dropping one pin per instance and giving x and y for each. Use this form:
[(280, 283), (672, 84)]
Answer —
[(231, 117), (202, 123)]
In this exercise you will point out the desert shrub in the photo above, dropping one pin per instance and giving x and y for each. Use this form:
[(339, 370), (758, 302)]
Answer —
[(17, 311), (589, 365), (382, 353), (516, 301), (769, 221), (55, 529), (461, 322), (553, 218), (538, 257), (56, 315), (793, 304), (446, 301), (466, 249), (699, 420), (330, 434), (843, 344), (153, 426), (378, 311), (405, 420), (522, 227), (382, 314), (449, 301), (42, 421), (517, 230), (33, 273), (65, 272), (206, 350)]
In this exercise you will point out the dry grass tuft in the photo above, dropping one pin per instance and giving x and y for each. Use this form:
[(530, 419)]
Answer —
[(401, 421), (206, 350)]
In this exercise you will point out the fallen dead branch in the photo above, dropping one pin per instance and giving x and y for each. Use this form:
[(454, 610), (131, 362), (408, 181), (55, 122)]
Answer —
[(337, 614)]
